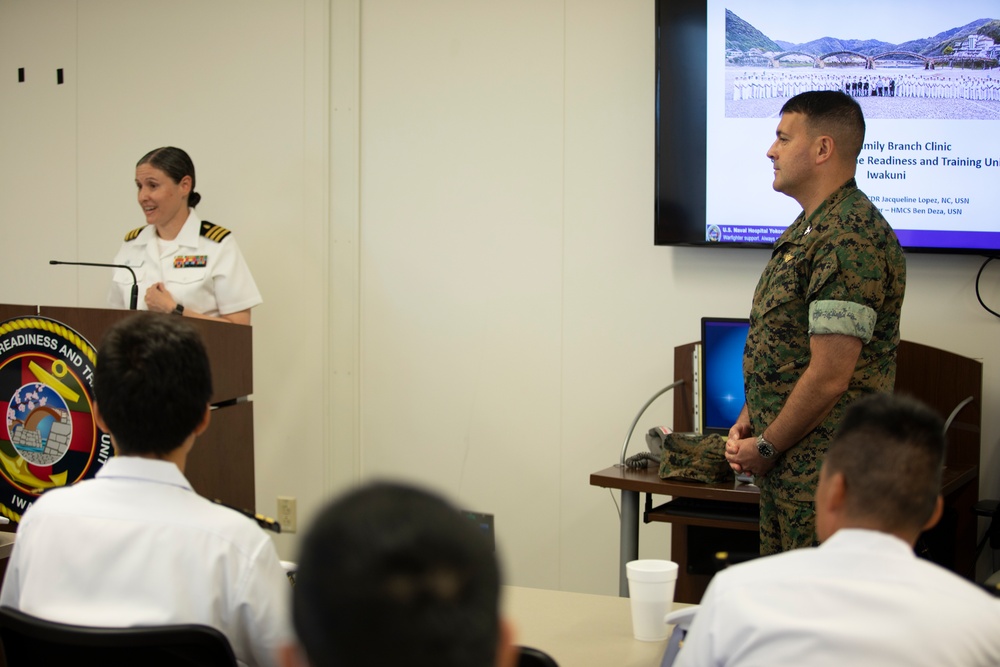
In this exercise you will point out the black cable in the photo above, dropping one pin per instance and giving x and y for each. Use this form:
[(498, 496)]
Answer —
[(978, 296), (641, 460)]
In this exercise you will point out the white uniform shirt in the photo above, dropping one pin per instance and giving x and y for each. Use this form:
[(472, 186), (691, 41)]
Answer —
[(862, 598), (137, 546), (209, 277)]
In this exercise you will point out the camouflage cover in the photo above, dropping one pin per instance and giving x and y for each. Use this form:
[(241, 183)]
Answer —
[(696, 457)]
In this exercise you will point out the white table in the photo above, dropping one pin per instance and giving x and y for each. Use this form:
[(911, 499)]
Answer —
[(579, 629)]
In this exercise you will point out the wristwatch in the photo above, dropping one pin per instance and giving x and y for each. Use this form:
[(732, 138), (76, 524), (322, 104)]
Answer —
[(765, 448), (179, 310)]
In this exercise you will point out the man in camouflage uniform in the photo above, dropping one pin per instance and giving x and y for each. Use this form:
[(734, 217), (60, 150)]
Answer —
[(824, 324)]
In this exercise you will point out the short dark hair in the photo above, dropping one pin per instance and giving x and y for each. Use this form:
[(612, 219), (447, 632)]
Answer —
[(890, 449), (152, 382), (175, 163), (834, 113), (391, 574)]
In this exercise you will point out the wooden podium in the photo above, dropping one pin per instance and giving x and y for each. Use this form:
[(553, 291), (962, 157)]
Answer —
[(221, 465)]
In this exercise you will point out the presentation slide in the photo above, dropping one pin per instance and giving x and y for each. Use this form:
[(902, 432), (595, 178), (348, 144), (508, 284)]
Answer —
[(926, 77)]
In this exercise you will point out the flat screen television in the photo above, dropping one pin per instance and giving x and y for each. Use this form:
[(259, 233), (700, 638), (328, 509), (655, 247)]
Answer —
[(925, 74), (720, 378)]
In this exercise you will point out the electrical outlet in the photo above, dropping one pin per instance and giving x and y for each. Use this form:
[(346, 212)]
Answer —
[(286, 514)]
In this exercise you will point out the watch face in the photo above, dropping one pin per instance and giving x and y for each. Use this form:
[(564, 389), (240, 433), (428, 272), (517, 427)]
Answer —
[(765, 450)]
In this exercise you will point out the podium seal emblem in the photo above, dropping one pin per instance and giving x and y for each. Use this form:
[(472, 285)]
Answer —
[(49, 438)]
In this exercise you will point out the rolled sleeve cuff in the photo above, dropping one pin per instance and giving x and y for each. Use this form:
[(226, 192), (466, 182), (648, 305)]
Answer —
[(841, 317)]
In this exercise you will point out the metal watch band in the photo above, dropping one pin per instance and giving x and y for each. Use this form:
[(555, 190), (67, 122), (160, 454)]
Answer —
[(765, 448)]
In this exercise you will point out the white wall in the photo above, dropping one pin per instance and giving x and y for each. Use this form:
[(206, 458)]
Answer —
[(448, 207), (243, 87)]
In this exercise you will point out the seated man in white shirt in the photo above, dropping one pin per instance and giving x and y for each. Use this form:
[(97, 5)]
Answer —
[(863, 597), (136, 546), (393, 575)]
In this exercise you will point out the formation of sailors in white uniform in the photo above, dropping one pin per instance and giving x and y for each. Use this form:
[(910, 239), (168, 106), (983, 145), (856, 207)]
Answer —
[(761, 85)]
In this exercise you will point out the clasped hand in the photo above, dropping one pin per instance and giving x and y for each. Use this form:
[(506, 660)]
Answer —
[(159, 300), (742, 454)]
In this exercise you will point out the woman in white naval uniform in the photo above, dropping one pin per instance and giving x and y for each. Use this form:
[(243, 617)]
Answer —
[(182, 264)]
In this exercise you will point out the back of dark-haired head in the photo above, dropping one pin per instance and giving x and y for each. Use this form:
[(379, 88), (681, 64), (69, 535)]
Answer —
[(176, 164), (152, 382), (391, 575), (834, 113), (890, 449)]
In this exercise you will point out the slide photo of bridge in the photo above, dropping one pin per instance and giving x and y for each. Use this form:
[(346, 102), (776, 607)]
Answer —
[(917, 60)]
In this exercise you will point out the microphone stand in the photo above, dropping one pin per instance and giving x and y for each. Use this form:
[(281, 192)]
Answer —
[(134, 301)]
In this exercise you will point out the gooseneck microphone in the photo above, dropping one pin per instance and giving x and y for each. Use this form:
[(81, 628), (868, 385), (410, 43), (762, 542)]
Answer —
[(134, 302)]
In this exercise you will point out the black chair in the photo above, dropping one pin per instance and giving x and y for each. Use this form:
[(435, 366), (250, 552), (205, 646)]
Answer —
[(30, 641), (532, 657)]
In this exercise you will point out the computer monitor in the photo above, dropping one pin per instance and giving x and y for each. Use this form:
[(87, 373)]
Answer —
[(720, 386)]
